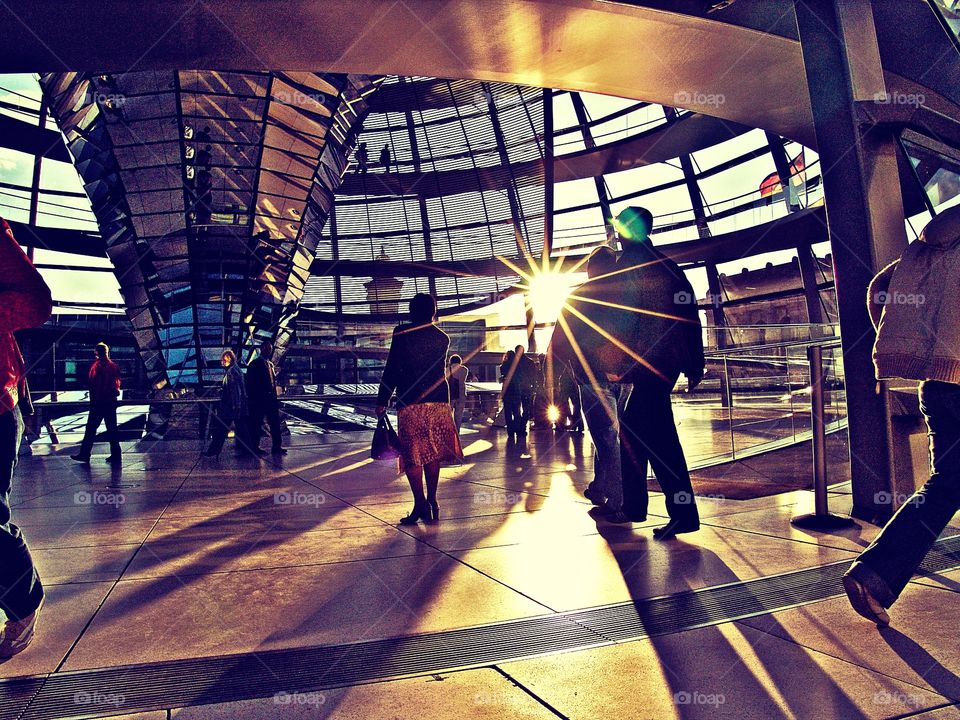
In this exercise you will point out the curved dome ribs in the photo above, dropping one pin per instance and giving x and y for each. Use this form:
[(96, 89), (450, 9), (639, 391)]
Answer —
[(211, 190)]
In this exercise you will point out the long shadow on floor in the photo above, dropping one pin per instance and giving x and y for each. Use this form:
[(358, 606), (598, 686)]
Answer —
[(710, 676)]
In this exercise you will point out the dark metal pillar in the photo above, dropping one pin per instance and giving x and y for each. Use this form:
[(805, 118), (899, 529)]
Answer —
[(515, 211), (548, 190), (602, 195), (37, 166), (421, 200), (864, 217)]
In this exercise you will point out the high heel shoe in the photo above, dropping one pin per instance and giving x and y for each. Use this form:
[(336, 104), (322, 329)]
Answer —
[(434, 511), (420, 512)]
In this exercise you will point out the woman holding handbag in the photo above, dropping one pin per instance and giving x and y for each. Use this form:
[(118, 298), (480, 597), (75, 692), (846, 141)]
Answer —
[(415, 371)]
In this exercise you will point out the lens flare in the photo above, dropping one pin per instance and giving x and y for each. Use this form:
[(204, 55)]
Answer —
[(553, 413), (547, 293)]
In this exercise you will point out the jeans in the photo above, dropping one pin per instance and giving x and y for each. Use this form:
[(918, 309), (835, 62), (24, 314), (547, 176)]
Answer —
[(887, 565), (105, 412), (21, 591), (512, 414), (270, 411), (604, 405), (648, 435)]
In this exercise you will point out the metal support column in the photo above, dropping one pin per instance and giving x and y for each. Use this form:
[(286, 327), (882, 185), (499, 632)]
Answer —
[(864, 216), (602, 195), (515, 210)]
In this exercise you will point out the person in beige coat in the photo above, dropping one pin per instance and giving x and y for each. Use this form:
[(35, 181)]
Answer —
[(915, 305)]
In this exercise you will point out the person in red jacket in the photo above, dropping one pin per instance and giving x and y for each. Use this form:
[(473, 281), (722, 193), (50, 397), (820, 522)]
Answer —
[(104, 390), (24, 303)]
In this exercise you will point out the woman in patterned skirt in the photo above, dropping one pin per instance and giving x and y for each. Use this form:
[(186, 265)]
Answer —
[(415, 371)]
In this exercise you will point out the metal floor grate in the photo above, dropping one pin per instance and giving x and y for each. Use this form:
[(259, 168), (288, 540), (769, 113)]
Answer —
[(200, 681)]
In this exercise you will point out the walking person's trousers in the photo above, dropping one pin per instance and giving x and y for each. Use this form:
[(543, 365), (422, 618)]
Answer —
[(887, 565), (648, 436), (270, 411), (105, 412), (21, 591)]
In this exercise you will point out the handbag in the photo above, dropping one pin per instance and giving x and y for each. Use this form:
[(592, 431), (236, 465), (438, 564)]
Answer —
[(386, 443)]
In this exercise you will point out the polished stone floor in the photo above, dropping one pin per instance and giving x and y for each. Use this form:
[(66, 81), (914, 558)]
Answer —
[(180, 556)]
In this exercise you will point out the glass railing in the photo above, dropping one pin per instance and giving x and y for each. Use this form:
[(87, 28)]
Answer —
[(757, 399)]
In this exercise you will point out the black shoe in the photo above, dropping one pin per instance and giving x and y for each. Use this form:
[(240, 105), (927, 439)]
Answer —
[(115, 460), (211, 453), (864, 602), (81, 458), (593, 496), (434, 511), (674, 528), (419, 512), (279, 451)]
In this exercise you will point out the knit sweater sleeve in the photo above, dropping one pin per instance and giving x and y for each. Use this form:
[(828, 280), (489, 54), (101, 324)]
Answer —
[(24, 297), (878, 291)]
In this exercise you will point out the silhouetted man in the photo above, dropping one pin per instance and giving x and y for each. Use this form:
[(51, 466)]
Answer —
[(104, 383), (362, 158), (385, 158), (262, 399), (526, 376), (24, 303), (668, 341)]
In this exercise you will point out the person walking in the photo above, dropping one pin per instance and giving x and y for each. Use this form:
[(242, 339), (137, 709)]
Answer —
[(914, 309), (24, 303), (262, 400), (527, 377), (385, 158), (363, 158), (104, 383), (415, 371), (457, 377), (233, 408), (668, 341), (584, 342), (510, 394)]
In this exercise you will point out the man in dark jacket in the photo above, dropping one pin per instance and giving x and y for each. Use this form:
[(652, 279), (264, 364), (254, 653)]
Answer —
[(665, 326), (104, 383), (527, 378), (24, 303), (262, 399)]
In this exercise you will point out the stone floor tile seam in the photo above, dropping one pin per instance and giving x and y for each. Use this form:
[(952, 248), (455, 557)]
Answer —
[(523, 688), (139, 578)]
